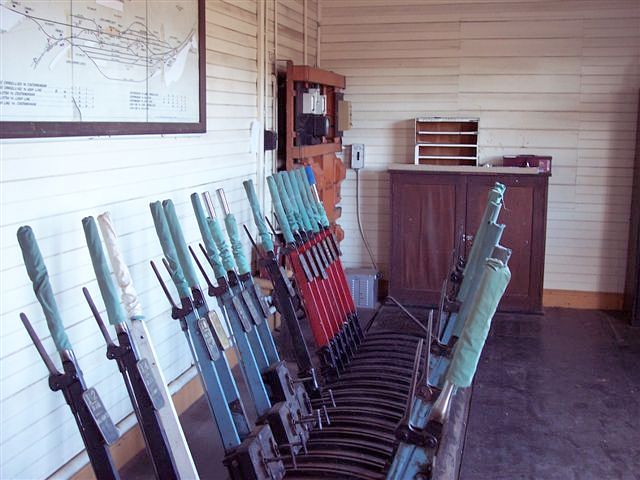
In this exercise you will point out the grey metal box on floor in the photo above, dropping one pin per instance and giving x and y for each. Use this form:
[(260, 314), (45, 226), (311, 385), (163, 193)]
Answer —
[(363, 283)]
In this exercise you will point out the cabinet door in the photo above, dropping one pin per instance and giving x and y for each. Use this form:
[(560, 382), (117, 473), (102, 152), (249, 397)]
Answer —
[(524, 216), (427, 217)]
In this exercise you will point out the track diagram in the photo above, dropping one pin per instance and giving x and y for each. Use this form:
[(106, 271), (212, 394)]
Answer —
[(144, 52)]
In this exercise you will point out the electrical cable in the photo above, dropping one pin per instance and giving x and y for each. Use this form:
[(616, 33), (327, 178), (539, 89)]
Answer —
[(364, 238)]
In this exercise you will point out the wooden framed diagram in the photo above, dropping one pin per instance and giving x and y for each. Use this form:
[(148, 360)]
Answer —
[(101, 67)]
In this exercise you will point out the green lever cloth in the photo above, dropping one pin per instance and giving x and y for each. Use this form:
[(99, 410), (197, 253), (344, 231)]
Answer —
[(39, 276), (323, 214), (482, 248), (291, 184), (115, 312), (469, 346), (489, 215), (169, 249), (311, 178), (320, 211), (180, 243), (302, 187), (265, 236), (286, 203), (236, 245), (225, 252), (282, 178), (305, 186), (209, 243), (280, 215)]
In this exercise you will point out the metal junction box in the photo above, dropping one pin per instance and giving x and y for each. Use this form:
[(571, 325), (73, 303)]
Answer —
[(363, 283)]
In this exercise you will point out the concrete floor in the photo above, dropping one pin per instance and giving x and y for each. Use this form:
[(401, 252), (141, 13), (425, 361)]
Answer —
[(556, 397)]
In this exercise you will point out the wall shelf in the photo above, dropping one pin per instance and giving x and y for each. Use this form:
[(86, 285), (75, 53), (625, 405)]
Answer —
[(446, 140)]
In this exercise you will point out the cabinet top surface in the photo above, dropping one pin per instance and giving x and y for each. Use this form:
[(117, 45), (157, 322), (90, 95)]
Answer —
[(407, 167)]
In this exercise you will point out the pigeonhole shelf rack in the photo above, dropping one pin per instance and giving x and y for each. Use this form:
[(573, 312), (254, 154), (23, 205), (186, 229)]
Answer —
[(446, 141)]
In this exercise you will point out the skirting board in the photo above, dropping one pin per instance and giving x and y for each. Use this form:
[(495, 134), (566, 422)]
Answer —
[(582, 300)]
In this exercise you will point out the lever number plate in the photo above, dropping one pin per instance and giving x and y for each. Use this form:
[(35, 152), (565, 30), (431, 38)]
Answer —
[(327, 250), (287, 282), (319, 262), (242, 313), (209, 341), (100, 416), (336, 244), (261, 300), (150, 383), (311, 263), (305, 267), (218, 330), (253, 311)]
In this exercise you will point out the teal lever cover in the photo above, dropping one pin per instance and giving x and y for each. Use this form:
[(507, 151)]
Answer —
[(286, 203), (115, 312), (291, 185), (280, 215), (265, 237), (39, 276), (322, 214), (301, 186), (225, 253), (209, 243), (184, 256), (169, 249), (493, 283), (236, 245)]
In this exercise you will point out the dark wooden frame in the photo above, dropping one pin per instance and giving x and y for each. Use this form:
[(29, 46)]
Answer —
[(82, 129), (305, 73), (632, 280)]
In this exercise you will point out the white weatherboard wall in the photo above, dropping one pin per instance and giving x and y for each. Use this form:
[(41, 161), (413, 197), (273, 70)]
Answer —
[(546, 77), (51, 184)]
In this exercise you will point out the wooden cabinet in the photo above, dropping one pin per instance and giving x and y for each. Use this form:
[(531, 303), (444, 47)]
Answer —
[(433, 210)]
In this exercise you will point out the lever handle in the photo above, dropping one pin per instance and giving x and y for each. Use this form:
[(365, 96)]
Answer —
[(226, 255), (265, 237), (286, 203), (292, 188), (302, 189), (115, 312), (163, 285), (253, 242), (234, 236), (41, 350), (279, 210), (169, 249), (310, 175), (314, 189), (97, 316), (213, 255), (128, 294), (39, 276), (180, 243), (200, 267)]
